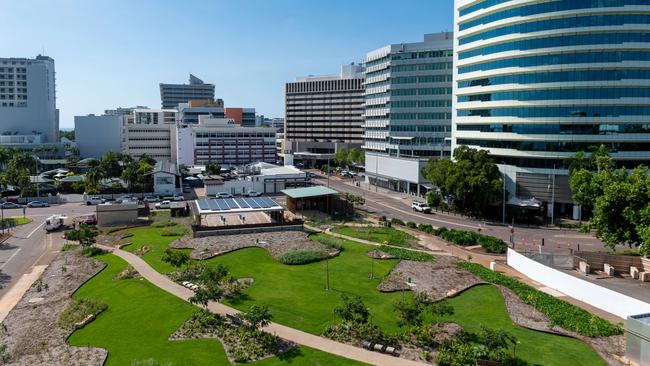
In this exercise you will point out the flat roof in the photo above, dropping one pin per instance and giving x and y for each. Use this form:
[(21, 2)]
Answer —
[(309, 192), (236, 205)]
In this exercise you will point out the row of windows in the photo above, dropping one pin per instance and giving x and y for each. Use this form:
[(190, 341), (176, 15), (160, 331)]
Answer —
[(12, 76), (421, 79), (11, 83), (558, 76), (418, 104), (559, 94), (419, 141), (559, 59), (559, 146), (421, 54), (576, 111), (559, 129), (577, 21), (419, 128), (309, 107), (548, 7), (481, 5), (420, 116), (560, 163), (233, 143), (296, 114), (11, 69), (233, 135), (560, 41), (11, 97), (11, 90)]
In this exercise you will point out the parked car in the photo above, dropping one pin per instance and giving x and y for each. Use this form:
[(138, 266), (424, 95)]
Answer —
[(89, 219), (311, 175), (38, 204), (151, 199), (95, 200), (421, 207), (223, 195), (252, 194), (10, 205), (164, 204), (174, 197), (347, 174)]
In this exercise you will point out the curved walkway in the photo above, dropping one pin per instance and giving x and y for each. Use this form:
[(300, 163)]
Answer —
[(291, 334)]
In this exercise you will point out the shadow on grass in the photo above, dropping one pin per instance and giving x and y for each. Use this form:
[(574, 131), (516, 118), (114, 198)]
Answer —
[(290, 355), (240, 299)]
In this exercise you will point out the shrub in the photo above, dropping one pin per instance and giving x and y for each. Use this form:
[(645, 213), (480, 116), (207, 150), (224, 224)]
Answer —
[(78, 310), (426, 228), (411, 225), (406, 254), (330, 242), (396, 221), (467, 238), (492, 244), (294, 257), (69, 246), (92, 251), (167, 223), (560, 312)]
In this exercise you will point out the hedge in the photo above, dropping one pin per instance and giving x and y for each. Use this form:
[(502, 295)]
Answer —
[(467, 238), (294, 257), (406, 254), (560, 312)]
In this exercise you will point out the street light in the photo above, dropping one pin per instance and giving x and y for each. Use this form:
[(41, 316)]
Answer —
[(503, 212)]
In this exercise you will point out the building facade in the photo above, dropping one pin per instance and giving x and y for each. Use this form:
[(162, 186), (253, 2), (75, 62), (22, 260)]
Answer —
[(188, 113), (150, 116), (324, 113), (97, 135), (536, 82), (154, 140), (408, 92), (242, 116), (28, 98), (173, 94)]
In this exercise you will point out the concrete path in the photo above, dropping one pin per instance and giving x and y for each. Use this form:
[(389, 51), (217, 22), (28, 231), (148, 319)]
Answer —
[(291, 334), (16, 292)]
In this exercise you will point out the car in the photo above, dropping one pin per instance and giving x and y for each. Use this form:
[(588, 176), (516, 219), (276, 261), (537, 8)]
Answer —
[(347, 174), (420, 207), (38, 204), (151, 199), (223, 195), (174, 197), (10, 205), (252, 194), (89, 219), (164, 204), (95, 200), (311, 175)]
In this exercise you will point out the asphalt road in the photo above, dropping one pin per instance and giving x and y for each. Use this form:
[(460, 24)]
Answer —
[(29, 244), (398, 205)]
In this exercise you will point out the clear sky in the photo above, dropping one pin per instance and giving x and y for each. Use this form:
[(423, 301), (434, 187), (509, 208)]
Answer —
[(116, 52)]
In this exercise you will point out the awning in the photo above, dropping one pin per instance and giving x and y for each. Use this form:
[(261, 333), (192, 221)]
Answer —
[(524, 203), (309, 192)]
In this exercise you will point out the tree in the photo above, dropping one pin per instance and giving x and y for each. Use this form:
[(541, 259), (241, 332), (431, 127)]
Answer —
[(146, 158), (213, 168), (67, 134), (341, 156), (257, 317), (111, 164), (354, 198), (183, 169), (473, 178), (352, 310), (410, 311), (85, 235), (176, 258)]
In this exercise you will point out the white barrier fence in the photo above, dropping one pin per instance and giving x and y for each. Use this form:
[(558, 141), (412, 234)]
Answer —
[(592, 294)]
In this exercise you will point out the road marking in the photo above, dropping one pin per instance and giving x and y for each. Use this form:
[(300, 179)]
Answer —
[(33, 231), (10, 258)]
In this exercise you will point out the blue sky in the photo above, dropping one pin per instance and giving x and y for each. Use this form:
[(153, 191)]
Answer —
[(114, 53)]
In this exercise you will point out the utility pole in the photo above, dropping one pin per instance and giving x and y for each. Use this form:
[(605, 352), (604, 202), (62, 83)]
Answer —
[(328, 172), (38, 189)]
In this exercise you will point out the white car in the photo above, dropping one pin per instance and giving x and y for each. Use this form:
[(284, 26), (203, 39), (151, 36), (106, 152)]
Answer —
[(223, 195), (151, 199), (38, 204), (420, 207), (95, 200), (252, 194), (164, 204)]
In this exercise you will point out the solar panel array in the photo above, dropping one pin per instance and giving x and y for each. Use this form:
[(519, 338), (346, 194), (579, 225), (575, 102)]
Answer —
[(227, 204)]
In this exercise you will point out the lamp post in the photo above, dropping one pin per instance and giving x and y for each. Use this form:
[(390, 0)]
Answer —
[(2, 208), (553, 197), (328, 172), (503, 211)]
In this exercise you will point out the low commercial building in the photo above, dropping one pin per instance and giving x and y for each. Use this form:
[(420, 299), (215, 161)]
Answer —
[(166, 180), (111, 214), (263, 178), (242, 116), (188, 113)]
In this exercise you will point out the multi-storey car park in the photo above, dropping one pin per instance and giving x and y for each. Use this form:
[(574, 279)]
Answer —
[(538, 81)]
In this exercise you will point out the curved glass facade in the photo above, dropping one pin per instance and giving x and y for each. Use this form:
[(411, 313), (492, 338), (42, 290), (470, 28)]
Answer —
[(549, 77)]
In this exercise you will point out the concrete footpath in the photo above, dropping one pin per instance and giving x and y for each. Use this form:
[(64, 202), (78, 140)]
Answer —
[(291, 334)]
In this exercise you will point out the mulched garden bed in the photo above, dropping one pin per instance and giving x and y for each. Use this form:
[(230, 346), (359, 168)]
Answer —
[(378, 254), (30, 330), (276, 243), (439, 279)]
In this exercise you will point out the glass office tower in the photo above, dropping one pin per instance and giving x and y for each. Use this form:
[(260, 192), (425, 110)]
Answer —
[(537, 81)]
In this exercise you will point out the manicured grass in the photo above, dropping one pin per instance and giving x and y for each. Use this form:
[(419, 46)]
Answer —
[(483, 305), (140, 317), (297, 297), (381, 235), (151, 237), (15, 221)]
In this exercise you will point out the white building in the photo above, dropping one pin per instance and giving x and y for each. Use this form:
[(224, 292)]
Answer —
[(154, 140), (154, 116), (260, 177), (28, 99), (97, 135), (165, 178), (408, 92)]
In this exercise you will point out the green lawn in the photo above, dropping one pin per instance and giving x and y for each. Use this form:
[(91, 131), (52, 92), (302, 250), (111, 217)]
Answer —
[(297, 298), (382, 235), (140, 318), (483, 305), (15, 221)]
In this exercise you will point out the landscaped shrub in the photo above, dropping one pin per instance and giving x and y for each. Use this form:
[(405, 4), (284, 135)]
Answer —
[(396, 221), (560, 312), (330, 242), (77, 312), (426, 228), (294, 257), (69, 246), (411, 224), (92, 251), (406, 254), (172, 231), (467, 238), (167, 223), (492, 244)]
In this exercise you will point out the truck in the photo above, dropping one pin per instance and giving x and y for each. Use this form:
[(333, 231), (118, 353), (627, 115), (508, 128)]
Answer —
[(55, 222), (95, 200)]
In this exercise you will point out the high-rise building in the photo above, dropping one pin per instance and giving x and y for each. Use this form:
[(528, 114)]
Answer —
[(173, 94), (324, 113), (242, 116), (408, 90), (28, 100), (536, 82)]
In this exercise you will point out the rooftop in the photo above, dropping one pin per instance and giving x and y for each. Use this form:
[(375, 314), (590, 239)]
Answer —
[(309, 192)]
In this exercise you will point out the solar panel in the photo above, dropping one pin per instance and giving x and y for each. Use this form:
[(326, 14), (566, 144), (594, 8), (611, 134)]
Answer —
[(203, 204), (260, 201), (213, 205), (223, 205), (231, 203), (242, 203), (251, 202), (269, 202)]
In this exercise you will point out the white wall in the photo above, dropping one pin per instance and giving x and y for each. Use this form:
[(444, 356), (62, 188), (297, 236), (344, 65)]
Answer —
[(97, 135), (394, 167), (592, 294)]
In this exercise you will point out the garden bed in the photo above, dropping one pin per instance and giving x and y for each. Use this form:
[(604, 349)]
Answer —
[(276, 243), (439, 279), (30, 330)]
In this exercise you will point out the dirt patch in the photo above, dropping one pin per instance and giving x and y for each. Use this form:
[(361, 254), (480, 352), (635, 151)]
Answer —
[(378, 254), (30, 330), (276, 243), (439, 279), (609, 348)]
